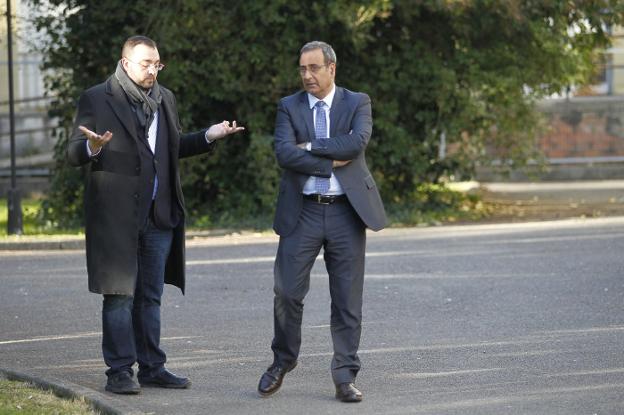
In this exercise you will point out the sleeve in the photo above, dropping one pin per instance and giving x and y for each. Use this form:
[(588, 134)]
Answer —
[(195, 143), (348, 146), (191, 144), (289, 155), (77, 153)]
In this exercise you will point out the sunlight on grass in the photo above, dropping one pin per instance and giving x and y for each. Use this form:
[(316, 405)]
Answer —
[(23, 398), (32, 224)]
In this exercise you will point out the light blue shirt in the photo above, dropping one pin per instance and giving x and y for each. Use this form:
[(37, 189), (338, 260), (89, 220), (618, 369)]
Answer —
[(334, 185)]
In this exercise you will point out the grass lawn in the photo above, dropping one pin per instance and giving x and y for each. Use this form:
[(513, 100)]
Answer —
[(30, 223), (24, 399), (29, 216)]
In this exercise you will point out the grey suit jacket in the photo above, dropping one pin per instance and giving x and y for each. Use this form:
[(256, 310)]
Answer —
[(350, 130)]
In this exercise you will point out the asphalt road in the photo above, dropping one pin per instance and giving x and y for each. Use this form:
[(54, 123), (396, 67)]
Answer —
[(484, 319)]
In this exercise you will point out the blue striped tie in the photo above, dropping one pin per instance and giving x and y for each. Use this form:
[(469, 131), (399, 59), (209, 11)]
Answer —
[(320, 131)]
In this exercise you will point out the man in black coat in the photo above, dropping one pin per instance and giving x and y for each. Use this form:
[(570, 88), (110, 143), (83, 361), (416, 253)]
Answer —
[(327, 198), (128, 132)]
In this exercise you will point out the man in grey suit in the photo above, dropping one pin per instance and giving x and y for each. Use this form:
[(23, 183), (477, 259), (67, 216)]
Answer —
[(127, 134), (327, 198)]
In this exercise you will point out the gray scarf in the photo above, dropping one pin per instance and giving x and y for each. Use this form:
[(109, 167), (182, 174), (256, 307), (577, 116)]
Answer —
[(146, 105)]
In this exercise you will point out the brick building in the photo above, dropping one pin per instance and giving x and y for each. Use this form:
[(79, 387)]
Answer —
[(585, 136), (591, 123)]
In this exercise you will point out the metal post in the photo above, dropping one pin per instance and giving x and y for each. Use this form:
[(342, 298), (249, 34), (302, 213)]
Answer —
[(14, 223)]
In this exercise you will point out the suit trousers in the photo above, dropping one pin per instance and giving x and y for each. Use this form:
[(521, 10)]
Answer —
[(340, 232), (131, 324)]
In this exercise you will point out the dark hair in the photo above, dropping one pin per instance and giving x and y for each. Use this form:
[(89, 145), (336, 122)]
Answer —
[(132, 41), (328, 53)]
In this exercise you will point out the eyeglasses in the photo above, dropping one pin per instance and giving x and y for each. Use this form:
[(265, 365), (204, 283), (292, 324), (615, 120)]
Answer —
[(314, 69), (156, 66)]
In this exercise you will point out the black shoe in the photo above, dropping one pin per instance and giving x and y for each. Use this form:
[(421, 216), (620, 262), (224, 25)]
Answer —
[(165, 379), (122, 383), (347, 392), (271, 380)]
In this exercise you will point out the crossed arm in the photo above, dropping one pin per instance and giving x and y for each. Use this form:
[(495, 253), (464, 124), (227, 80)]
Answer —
[(348, 146), (324, 154)]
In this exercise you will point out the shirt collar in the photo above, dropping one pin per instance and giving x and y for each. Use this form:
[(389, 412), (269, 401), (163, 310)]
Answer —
[(312, 100)]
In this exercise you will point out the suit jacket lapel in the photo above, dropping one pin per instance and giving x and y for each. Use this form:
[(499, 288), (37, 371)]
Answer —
[(336, 111), (120, 105), (306, 113)]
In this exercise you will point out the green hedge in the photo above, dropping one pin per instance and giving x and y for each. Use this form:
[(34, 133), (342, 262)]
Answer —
[(468, 71)]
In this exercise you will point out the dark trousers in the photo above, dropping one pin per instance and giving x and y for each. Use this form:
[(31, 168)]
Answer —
[(341, 233), (131, 324)]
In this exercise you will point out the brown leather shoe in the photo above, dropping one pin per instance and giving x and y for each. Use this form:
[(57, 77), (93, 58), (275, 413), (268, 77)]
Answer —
[(347, 392), (271, 380)]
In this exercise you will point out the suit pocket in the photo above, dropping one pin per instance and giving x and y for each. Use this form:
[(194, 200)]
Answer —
[(370, 182)]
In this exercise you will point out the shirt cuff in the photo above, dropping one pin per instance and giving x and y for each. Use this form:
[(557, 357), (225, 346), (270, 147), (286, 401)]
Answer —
[(90, 153), (308, 146), (209, 141)]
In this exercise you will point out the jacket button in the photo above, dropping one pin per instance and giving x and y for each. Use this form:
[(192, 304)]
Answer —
[(137, 168), (136, 195)]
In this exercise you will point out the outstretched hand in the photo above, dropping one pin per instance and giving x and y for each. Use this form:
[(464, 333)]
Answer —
[(96, 141), (220, 130)]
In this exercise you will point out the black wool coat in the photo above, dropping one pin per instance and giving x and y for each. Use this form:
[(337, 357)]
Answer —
[(112, 186)]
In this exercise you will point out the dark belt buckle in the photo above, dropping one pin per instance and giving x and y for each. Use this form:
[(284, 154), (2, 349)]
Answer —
[(325, 200)]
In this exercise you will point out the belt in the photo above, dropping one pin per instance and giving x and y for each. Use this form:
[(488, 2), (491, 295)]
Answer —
[(326, 199)]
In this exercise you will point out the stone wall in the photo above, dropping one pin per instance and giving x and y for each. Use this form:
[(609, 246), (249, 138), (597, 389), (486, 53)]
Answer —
[(591, 127), (584, 141)]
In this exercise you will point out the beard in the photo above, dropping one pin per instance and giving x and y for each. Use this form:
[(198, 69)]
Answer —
[(147, 83)]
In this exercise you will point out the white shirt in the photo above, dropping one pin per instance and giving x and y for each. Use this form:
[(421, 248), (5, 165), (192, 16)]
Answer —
[(334, 185)]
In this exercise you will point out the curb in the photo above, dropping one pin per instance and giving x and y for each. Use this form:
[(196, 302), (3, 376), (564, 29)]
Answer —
[(59, 242), (49, 244), (104, 404)]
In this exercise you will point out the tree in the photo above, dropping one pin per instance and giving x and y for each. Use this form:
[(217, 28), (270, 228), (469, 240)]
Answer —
[(466, 71), (471, 71)]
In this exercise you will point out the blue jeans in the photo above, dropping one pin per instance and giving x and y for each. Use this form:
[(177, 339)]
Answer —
[(131, 324)]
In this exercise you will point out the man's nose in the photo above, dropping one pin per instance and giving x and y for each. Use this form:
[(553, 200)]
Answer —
[(152, 70)]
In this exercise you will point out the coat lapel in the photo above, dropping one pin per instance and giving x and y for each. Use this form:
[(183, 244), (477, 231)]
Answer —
[(119, 103), (336, 111), (167, 109)]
